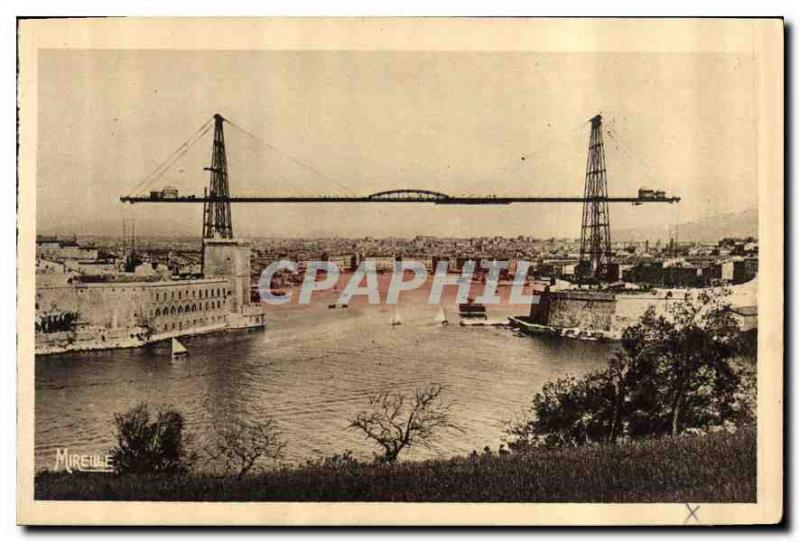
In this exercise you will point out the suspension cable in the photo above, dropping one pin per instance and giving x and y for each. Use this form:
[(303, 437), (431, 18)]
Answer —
[(638, 162), (347, 189), (180, 151), (525, 159)]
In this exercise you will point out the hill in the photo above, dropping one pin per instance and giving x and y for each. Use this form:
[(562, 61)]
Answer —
[(706, 230), (719, 467)]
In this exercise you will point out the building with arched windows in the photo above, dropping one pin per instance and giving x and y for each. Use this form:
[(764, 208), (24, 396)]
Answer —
[(129, 313)]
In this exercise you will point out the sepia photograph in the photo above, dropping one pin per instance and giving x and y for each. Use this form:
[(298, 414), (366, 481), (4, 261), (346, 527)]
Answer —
[(389, 262)]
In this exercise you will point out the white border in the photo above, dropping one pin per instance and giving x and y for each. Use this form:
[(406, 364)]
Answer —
[(240, 7)]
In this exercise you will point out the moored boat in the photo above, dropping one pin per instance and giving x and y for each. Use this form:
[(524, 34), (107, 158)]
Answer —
[(396, 320), (470, 309)]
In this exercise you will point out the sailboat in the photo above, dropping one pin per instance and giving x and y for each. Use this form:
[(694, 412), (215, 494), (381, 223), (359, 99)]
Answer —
[(178, 350), (396, 321), (441, 317)]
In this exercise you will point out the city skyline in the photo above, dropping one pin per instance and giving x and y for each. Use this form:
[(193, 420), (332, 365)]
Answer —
[(733, 225)]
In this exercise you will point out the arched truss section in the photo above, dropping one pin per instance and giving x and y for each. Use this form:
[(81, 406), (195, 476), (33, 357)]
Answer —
[(409, 193)]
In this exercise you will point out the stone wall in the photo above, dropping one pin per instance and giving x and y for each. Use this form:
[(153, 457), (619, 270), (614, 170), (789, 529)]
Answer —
[(616, 311), (581, 310), (161, 306), (630, 308)]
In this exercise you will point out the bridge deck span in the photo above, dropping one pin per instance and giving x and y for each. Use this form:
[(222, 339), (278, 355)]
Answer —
[(481, 200)]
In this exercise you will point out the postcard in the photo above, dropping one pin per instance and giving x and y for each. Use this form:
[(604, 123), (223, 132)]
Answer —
[(400, 271)]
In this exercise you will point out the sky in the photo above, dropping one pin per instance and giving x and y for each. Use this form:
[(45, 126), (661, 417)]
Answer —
[(354, 122)]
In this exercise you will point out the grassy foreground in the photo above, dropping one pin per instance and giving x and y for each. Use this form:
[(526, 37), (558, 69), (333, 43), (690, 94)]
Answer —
[(718, 467)]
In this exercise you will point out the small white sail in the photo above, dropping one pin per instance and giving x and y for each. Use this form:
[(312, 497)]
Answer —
[(178, 349)]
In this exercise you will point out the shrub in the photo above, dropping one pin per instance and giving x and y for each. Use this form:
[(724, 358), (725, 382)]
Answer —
[(341, 461), (671, 375), (149, 447), (568, 412)]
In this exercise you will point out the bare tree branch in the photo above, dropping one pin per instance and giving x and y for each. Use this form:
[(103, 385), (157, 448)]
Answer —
[(243, 445), (396, 422)]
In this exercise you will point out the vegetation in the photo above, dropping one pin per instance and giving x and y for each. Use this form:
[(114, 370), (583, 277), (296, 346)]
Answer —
[(672, 375), (344, 460), (245, 445), (149, 447), (719, 467), (396, 421)]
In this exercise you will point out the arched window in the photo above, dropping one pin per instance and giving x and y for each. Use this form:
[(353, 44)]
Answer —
[(172, 310), (179, 295), (180, 310), (194, 307), (158, 312)]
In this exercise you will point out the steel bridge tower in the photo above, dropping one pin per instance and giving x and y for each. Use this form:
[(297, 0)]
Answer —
[(217, 214), (595, 225)]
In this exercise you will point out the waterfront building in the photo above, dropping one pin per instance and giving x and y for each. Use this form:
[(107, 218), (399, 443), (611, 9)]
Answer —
[(59, 250), (382, 263), (134, 309), (609, 312), (344, 262)]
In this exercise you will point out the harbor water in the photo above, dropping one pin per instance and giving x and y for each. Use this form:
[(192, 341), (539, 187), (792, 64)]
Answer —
[(312, 370)]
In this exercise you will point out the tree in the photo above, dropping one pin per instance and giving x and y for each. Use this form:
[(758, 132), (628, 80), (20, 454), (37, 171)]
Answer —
[(681, 369), (673, 372), (244, 445), (569, 411), (396, 421), (149, 447)]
